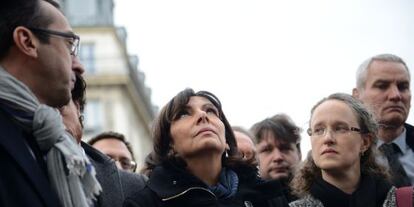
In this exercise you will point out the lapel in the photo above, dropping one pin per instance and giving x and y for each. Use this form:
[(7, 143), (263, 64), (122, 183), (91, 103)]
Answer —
[(107, 175), (409, 136), (12, 139)]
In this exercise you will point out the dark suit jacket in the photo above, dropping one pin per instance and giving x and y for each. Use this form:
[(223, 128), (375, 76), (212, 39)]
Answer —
[(23, 179), (116, 184), (410, 135)]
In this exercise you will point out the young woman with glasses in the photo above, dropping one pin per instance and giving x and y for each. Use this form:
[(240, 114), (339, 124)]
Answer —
[(341, 169)]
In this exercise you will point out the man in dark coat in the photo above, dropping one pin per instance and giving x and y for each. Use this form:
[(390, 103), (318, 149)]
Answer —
[(383, 85), (116, 184), (38, 65)]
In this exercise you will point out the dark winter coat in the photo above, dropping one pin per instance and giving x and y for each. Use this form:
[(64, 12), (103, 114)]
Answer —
[(116, 184), (171, 186)]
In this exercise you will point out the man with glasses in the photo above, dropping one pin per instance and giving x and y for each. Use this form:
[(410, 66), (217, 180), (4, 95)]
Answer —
[(383, 85), (41, 165), (116, 147), (116, 184)]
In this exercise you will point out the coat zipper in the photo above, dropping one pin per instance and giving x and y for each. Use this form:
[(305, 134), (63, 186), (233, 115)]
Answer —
[(184, 192)]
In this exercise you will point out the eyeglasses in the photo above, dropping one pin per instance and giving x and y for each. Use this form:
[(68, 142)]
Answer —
[(336, 131), (126, 164), (74, 43)]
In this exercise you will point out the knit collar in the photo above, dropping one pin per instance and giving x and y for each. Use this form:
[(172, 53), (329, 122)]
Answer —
[(227, 185), (371, 192)]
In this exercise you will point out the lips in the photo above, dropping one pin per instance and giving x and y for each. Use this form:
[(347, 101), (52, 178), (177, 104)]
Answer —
[(279, 169), (205, 130), (329, 151), (394, 107)]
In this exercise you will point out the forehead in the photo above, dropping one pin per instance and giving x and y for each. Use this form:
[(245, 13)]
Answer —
[(110, 143), (195, 101), (387, 71), (333, 111), (269, 138), (59, 21), (241, 137)]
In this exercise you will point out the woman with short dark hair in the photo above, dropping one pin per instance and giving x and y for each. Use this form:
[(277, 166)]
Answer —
[(195, 161)]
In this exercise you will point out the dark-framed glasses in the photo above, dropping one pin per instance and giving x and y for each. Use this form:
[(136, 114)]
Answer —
[(75, 39), (336, 131), (126, 164)]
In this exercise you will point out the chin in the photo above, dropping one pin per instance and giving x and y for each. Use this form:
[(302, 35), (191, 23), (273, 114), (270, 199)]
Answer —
[(328, 165), (394, 121), (279, 176)]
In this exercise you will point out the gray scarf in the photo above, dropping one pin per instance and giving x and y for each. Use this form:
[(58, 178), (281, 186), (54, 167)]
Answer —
[(70, 171)]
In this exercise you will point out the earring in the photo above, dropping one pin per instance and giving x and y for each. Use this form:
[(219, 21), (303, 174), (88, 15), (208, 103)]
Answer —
[(227, 154)]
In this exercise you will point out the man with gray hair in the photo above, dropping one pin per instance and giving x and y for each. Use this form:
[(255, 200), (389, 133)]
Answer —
[(383, 85)]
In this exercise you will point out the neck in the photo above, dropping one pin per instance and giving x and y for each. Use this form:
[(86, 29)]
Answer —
[(388, 133), (207, 168), (17, 66), (346, 180)]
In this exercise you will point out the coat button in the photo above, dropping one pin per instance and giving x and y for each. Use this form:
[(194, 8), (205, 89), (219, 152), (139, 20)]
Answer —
[(174, 182)]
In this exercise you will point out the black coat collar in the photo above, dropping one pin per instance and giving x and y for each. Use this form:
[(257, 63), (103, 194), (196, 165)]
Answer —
[(409, 135)]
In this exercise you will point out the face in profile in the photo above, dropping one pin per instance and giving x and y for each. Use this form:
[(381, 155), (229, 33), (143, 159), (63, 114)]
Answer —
[(387, 92), (277, 160), (197, 129), (55, 76), (336, 142)]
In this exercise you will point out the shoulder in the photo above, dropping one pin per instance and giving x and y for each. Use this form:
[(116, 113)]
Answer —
[(132, 183), (8, 127), (145, 197), (94, 154), (410, 130), (306, 201), (409, 135), (391, 199)]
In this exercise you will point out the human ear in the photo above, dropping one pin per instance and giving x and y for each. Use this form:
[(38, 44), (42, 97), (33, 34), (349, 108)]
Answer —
[(355, 93), (366, 142), (25, 41)]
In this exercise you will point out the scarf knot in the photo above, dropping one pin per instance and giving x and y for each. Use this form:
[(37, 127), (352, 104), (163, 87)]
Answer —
[(70, 171), (227, 185)]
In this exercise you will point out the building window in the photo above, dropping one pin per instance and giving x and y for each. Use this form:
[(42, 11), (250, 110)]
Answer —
[(94, 117), (82, 12), (87, 57)]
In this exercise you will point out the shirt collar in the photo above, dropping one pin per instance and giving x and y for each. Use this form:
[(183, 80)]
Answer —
[(400, 141)]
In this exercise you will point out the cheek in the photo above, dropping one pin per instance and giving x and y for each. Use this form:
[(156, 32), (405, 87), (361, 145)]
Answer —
[(293, 158), (315, 149), (221, 130)]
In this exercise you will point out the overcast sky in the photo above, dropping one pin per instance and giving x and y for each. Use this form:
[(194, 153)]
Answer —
[(262, 57)]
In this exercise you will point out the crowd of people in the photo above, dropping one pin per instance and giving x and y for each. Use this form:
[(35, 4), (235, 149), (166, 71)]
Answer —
[(362, 149)]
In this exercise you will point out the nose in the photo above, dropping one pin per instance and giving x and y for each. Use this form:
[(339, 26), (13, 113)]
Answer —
[(328, 137), (77, 67), (202, 116), (277, 155), (118, 165), (394, 93)]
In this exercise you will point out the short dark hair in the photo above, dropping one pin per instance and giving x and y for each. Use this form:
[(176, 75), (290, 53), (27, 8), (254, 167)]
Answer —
[(27, 13), (112, 135), (79, 92), (79, 95), (281, 126), (162, 136)]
